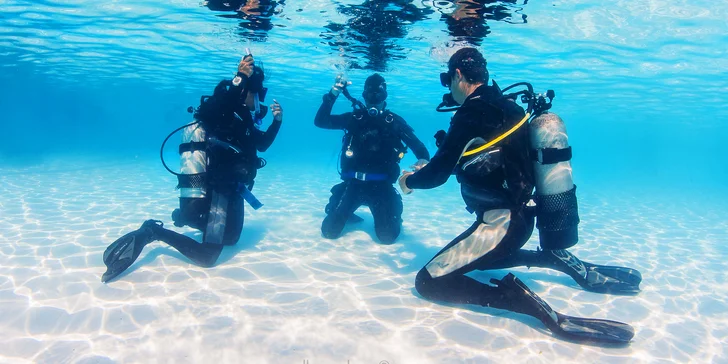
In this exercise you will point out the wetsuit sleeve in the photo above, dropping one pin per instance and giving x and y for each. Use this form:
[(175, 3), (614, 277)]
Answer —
[(325, 120), (264, 139), (407, 134), (437, 172)]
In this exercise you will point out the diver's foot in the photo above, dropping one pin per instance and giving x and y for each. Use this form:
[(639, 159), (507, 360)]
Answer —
[(577, 329), (122, 253), (593, 277)]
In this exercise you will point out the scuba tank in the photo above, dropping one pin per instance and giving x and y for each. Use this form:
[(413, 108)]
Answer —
[(194, 150), (193, 162), (557, 212), (192, 179)]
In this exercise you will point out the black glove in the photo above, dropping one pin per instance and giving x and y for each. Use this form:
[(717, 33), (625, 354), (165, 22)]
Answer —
[(440, 137)]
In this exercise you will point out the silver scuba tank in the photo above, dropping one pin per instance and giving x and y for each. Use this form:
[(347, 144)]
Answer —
[(193, 162), (192, 178), (557, 216)]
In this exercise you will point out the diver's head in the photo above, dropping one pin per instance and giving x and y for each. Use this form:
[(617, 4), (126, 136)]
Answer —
[(375, 91), (466, 71)]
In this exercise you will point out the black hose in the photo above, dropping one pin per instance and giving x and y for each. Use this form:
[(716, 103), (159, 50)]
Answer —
[(161, 151), (528, 85), (356, 104)]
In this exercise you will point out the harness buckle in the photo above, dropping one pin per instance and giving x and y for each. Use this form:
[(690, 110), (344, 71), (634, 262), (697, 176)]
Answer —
[(539, 155)]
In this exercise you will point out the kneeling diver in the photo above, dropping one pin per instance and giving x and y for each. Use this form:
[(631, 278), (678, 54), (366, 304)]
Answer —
[(487, 147), (219, 163), (375, 140)]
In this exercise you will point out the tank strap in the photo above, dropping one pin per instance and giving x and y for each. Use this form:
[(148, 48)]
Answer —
[(192, 146), (551, 155)]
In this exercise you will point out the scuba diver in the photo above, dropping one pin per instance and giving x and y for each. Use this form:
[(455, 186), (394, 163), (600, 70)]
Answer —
[(375, 140), (219, 163), (498, 158)]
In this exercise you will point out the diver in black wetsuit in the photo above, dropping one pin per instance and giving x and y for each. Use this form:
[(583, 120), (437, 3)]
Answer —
[(375, 140), (496, 184), (219, 165)]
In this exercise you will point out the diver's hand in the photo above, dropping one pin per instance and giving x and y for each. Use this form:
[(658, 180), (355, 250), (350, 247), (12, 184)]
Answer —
[(246, 65), (440, 137), (339, 84), (277, 110), (403, 182), (420, 163)]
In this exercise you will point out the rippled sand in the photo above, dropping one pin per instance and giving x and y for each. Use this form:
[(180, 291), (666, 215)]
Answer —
[(285, 295)]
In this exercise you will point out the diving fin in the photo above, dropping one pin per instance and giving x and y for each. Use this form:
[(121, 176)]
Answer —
[(577, 329), (122, 253), (593, 277)]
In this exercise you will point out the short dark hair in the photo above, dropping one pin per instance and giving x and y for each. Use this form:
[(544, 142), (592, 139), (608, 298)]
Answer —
[(471, 64)]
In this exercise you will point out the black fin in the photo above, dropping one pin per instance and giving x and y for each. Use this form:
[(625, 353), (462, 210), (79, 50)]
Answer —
[(596, 278), (122, 253), (577, 329)]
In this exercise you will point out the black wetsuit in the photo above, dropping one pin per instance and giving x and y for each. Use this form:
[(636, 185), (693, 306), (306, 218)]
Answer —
[(226, 170), (369, 166), (495, 185)]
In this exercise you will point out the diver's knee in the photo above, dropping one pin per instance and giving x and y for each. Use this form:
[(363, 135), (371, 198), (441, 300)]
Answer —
[(330, 233), (388, 230), (423, 282), (388, 236), (332, 227), (207, 263), (231, 239), (208, 258)]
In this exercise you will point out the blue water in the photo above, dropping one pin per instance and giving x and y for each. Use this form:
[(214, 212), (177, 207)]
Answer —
[(642, 87)]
